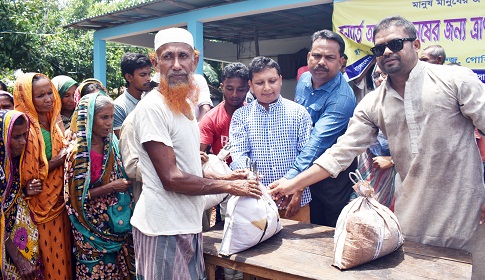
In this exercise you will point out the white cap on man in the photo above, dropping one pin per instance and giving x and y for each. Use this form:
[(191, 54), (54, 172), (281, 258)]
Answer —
[(173, 35)]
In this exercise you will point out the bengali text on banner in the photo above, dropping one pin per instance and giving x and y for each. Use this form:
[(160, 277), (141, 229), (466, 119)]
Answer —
[(457, 25)]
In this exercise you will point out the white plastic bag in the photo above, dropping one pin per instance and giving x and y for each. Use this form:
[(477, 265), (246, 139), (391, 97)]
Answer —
[(216, 164), (366, 230), (249, 221)]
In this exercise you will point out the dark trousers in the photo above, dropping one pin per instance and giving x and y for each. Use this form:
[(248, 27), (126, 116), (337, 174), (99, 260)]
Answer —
[(330, 196)]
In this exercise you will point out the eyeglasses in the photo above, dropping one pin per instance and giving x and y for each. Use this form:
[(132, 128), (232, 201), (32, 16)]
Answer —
[(376, 76), (394, 45)]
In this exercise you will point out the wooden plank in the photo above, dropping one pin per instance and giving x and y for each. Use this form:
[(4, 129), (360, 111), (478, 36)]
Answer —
[(210, 271), (249, 269), (437, 252), (304, 251)]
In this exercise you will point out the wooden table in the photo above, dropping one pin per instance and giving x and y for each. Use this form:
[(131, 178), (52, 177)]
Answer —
[(305, 251)]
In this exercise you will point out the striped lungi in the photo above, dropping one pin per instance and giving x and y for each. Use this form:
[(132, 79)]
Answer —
[(382, 180), (168, 256)]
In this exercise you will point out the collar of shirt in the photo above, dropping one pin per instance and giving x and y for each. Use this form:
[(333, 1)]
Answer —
[(415, 73), (271, 106), (130, 97), (328, 87)]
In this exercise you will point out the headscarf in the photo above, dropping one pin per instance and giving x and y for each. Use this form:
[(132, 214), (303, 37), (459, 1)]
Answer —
[(9, 174), (63, 83), (78, 180), (77, 93), (46, 205), (2, 92)]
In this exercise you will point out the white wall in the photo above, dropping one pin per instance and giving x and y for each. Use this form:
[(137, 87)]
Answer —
[(288, 89), (271, 48)]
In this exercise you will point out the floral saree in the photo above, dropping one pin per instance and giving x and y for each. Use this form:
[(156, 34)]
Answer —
[(102, 233), (16, 222)]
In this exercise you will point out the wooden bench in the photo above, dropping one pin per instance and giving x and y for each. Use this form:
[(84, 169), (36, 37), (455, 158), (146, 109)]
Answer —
[(305, 251)]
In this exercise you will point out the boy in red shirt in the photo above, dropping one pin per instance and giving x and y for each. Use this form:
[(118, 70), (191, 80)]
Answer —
[(214, 126)]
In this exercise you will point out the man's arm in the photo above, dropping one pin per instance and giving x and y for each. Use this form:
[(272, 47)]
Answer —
[(360, 134), (482, 216), (129, 153), (293, 205), (204, 103), (282, 188), (207, 133), (304, 130), (203, 109), (471, 96), (203, 147), (238, 136), (176, 180)]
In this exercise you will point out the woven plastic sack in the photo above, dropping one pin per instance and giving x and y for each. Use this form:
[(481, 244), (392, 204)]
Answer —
[(216, 164), (249, 221), (366, 230)]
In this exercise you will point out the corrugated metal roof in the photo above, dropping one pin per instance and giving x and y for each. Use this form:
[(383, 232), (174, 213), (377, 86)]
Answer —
[(273, 25), (145, 11), (266, 26)]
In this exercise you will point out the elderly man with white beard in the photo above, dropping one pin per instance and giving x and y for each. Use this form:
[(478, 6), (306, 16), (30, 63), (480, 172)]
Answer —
[(167, 227)]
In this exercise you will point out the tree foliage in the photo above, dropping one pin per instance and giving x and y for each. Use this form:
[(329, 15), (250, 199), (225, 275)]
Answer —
[(33, 39)]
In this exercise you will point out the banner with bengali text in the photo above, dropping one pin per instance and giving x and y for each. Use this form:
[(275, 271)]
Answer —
[(457, 25)]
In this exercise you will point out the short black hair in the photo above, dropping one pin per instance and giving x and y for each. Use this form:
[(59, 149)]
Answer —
[(132, 61), (261, 63), (3, 86), (235, 70), (396, 21), (330, 35)]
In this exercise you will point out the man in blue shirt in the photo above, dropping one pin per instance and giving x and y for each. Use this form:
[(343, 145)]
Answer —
[(330, 101)]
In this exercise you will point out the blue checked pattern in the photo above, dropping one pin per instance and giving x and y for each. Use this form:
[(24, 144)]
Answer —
[(272, 138)]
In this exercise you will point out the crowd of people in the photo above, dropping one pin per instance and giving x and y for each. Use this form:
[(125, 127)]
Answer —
[(77, 203)]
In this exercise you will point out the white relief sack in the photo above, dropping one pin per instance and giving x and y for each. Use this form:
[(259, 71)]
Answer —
[(249, 221), (217, 164), (366, 230)]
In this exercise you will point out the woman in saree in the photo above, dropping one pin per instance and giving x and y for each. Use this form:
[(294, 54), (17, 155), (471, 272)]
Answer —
[(98, 195), (90, 85), (19, 236), (36, 96), (6, 100), (66, 87)]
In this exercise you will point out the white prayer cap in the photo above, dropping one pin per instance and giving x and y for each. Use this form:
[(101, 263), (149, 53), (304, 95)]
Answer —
[(173, 35)]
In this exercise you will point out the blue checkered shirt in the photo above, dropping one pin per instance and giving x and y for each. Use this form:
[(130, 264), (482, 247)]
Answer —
[(273, 138)]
